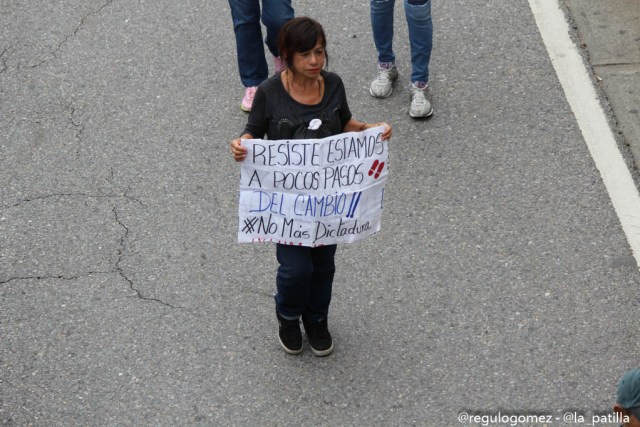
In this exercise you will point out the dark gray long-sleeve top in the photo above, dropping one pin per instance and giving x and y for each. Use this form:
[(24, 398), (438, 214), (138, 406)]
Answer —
[(278, 116)]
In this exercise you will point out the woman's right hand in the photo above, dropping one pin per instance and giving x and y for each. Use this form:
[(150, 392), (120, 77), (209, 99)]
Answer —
[(237, 150)]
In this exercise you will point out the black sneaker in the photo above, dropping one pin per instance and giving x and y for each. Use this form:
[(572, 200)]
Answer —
[(289, 335), (320, 339)]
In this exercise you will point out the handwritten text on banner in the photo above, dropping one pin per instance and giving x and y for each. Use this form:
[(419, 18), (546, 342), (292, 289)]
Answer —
[(313, 192)]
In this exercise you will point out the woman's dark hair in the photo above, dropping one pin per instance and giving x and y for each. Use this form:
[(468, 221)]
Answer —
[(300, 35)]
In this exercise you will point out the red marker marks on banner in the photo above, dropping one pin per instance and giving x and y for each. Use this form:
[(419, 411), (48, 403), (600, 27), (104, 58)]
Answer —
[(376, 168), (373, 167), (379, 170)]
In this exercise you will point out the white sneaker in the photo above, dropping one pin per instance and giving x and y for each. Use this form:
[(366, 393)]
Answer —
[(420, 106), (382, 86)]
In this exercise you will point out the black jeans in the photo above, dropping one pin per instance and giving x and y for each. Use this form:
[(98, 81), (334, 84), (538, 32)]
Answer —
[(304, 281)]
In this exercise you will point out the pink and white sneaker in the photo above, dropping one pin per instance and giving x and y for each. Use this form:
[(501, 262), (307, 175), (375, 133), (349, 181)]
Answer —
[(278, 64), (247, 99)]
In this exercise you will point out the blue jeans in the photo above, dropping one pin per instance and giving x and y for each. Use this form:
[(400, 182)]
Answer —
[(246, 25), (418, 18), (304, 281)]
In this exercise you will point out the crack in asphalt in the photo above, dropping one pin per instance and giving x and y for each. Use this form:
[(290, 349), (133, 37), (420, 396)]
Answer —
[(120, 271), (59, 277), (78, 194), (124, 193), (121, 250), (74, 33), (117, 270), (79, 129), (3, 62), (259, 292)]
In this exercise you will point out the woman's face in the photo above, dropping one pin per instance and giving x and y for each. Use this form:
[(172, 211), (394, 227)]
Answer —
[(309, 63)]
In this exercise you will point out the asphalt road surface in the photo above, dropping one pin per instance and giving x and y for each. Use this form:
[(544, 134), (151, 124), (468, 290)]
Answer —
[(501, 280)]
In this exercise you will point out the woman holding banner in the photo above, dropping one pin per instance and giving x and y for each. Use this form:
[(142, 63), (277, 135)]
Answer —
[(302, 102)]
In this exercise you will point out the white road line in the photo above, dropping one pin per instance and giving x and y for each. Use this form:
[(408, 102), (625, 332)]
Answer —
[(581, 95)]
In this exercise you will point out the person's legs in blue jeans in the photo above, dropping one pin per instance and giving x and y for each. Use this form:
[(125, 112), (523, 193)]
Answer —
[(275, 13), (252, 64), (418, 15), (249, 45), (304, 280), (321, 284), (294, 273), (382, 27), (246, 15)]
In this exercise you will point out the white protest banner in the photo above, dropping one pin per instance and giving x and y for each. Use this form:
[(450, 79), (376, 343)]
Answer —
[(313, 192)]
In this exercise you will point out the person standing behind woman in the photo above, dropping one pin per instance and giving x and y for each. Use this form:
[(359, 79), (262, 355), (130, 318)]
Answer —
[(252, 63), (284, 106), (418, 16), (627, 405)]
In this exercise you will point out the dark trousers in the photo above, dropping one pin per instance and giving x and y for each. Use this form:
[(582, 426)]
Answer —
[(304, 281), (246, 15)]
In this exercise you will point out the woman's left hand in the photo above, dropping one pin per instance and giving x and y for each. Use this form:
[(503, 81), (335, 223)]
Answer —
[(354, 125), (386, 133)]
